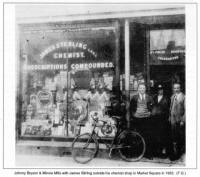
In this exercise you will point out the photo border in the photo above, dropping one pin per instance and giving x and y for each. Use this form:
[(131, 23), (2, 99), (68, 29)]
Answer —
[(40, 3)]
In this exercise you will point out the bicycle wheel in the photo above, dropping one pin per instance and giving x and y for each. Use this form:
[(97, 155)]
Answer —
[(84, 148), (131, 146)]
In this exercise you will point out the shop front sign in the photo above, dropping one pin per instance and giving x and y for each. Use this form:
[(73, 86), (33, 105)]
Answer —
[(72, 45), (167, 46), (55, 57), (167, 56)]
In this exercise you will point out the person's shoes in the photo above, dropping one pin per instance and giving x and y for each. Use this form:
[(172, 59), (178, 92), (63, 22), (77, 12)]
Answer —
[(164, 151), (163, 154), (175, 149)]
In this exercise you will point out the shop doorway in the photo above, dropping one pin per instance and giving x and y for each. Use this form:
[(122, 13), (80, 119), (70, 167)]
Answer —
[(157, 57), (166, 75), (166, 58)]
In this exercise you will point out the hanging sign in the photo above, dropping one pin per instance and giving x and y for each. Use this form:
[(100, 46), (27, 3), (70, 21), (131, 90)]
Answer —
[(167, 46), (167, 56)]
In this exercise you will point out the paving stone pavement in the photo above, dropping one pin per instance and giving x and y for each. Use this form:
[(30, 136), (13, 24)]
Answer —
[(44, 161)]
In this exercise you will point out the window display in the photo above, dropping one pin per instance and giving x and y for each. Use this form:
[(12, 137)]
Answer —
[(68, 76)]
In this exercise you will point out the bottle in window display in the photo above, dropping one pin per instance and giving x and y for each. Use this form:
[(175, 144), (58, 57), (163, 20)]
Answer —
[(65, 94), (29, 112), (95, 80), (59, 119), (102, 98), (57, 115), (33, 102), (56, 119), (63, 110), (101, 82), (24, 110), (52, 112), (53, 96), (60, 95), (108, 80)]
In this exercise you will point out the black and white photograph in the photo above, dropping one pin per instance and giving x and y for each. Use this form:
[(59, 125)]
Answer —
[(101, 86)]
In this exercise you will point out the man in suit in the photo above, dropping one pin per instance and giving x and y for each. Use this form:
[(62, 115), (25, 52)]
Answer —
[(177, 122), (140, 111), (160, 113)]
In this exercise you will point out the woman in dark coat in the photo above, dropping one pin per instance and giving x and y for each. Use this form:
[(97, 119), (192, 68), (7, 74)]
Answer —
[(160, 113)]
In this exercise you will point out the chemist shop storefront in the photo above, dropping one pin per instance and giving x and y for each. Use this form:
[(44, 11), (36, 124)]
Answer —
[(71, 70), (67, 73)]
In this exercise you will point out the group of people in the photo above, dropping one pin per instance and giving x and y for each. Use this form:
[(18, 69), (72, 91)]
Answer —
[(160, 120)]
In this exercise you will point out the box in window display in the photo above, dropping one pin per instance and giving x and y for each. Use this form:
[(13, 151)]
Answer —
[(37, 120), (108, 80), (37, 128), (43, 118)]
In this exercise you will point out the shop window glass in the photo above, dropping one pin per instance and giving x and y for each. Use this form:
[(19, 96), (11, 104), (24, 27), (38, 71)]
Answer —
[(167, 59), (68, 76), (167, 46)]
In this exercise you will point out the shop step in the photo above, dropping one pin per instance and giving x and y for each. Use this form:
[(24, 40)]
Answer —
[(51, 148)]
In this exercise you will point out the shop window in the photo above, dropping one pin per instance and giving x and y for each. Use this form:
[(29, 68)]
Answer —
[(167, 47), (68, 76), (167, 58)]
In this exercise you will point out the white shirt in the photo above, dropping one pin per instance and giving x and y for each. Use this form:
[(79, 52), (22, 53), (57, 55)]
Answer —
[(178, 95), (142, 96), (159, 98)]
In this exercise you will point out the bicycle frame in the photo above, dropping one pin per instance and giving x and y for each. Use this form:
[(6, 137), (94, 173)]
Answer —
[(118, 142), (112, 145)]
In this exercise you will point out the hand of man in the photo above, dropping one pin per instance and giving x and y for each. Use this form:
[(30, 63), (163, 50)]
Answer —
[(181, 123)]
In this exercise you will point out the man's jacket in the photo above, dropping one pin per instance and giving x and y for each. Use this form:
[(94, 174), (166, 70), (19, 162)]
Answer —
[(177, 109), (160, 108), (134, 101)]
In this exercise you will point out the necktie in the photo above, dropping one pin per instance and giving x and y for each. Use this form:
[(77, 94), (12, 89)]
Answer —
[(173, 101), (143, 97), (175, 98)]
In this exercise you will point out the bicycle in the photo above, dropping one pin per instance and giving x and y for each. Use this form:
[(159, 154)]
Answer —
[(130, 144)]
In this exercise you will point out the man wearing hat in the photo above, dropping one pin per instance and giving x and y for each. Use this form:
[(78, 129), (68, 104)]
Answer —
[(160, 114)]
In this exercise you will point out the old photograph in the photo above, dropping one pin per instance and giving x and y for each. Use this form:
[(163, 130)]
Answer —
[(100, 85)]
